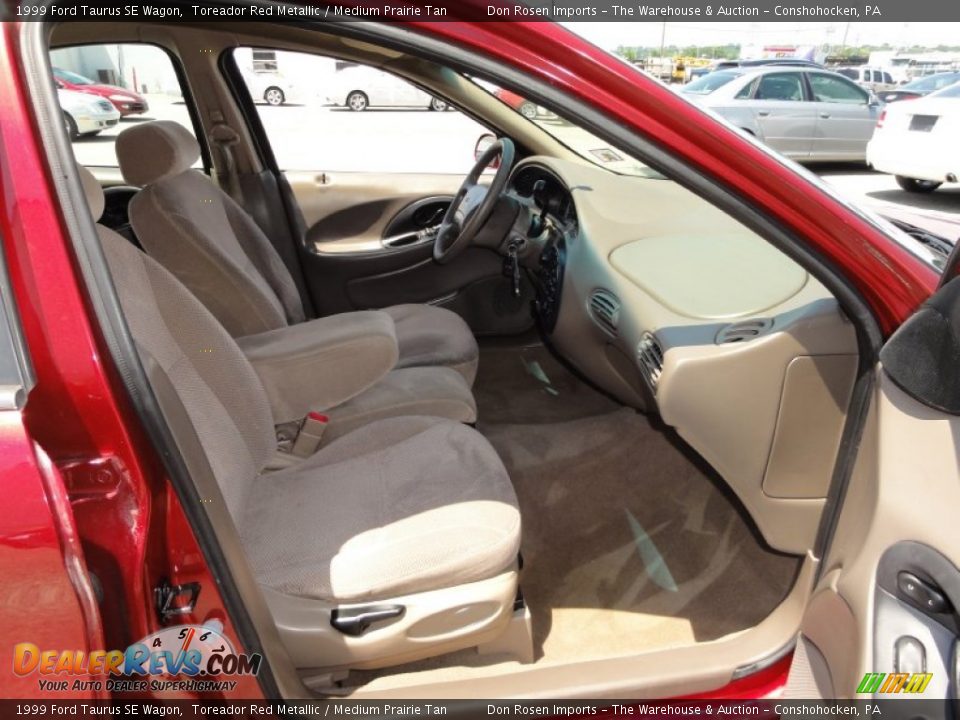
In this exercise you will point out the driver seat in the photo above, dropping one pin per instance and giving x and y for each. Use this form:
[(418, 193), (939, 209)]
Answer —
[(202, 236)]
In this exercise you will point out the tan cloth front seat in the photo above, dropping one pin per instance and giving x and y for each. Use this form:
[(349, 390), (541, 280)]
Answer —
[(416, 513), (213, 246)]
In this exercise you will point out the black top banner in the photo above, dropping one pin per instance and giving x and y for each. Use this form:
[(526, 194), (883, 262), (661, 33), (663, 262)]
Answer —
[(494, 10)]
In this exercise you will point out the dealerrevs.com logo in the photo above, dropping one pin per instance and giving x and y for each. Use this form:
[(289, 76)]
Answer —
[(191, 658)]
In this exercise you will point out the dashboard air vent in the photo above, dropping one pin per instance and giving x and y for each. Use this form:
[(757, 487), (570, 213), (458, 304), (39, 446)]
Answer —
[(650, 355), (743, 331), (605, 310)]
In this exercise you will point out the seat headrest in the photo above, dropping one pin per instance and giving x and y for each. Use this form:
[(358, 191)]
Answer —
[(155, 150), (92, 191)]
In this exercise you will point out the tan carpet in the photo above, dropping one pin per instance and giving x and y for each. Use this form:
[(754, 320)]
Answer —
[(630, 543)]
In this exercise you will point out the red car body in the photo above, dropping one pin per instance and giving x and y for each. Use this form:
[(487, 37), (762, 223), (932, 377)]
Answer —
[(125, 101), (517, 102), (103, 503)]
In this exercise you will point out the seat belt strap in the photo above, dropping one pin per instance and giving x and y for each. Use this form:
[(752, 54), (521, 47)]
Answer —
[(224, 138)]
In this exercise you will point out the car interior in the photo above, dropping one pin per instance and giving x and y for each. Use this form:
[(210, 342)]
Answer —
[(554, 427)]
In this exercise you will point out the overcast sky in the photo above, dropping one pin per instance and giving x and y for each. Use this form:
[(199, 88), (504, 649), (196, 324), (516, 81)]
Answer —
[(610, 35)]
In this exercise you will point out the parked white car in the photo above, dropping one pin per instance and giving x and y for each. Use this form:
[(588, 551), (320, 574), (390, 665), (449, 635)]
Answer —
[(360, 87), (271, 87), (85, 115), (917, 141)]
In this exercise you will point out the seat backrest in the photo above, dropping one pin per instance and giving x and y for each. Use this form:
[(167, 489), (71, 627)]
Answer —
[(184, 349), (198, 233)]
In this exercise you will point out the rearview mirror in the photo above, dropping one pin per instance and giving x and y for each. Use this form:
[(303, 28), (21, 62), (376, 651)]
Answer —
[(483, 144)]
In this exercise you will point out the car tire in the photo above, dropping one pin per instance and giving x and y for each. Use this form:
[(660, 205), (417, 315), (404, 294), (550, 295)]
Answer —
[(72, 132), (274, 96), (917, 186), (438, 105), (358, 101), (528, 110)]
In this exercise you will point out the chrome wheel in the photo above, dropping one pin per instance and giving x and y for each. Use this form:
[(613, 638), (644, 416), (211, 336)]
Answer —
[(357, 101)]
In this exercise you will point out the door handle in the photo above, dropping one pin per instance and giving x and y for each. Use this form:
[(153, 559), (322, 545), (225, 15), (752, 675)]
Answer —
[(763, 113), (825, 115)]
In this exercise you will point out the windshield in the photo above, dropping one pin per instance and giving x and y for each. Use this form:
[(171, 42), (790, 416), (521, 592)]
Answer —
[(582, 142), (708, 83), (72, 77), (950, 92)]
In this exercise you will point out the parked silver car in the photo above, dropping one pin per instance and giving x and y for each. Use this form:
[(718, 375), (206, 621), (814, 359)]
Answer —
[(804, 113)]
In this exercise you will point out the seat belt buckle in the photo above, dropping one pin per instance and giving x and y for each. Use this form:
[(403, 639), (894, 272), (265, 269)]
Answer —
[(310, 435)]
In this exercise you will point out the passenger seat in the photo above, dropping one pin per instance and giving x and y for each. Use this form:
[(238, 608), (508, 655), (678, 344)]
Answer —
[(395, 542)]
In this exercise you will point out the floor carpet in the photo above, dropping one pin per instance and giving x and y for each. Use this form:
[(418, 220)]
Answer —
[(630, 542)]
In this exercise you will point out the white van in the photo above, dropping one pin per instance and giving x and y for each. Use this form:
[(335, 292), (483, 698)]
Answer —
[(871, 78)]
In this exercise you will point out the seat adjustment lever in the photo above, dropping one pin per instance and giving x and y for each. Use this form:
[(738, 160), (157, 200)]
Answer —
[(356, 621)]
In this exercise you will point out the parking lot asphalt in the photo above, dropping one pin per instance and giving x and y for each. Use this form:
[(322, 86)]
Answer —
[(324, 139)]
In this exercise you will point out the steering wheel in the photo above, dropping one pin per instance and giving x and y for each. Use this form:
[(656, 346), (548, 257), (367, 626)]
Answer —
[(473, 203)]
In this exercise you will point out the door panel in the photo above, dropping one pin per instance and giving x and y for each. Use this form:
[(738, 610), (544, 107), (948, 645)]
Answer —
[(348, 267), (350, 212), (785, 120), (844, 118), (843, 130), (899, 515), (787, 126)]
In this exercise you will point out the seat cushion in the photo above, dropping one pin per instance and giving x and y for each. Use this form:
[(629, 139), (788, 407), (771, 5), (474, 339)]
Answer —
[(429, 335), (400, 506), (433, 391)]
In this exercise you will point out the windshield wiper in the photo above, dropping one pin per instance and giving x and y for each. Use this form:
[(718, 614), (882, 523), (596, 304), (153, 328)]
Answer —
[(939, 245)]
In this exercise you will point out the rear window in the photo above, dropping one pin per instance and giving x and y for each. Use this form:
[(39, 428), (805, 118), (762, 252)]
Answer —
[(112, 87), (708, 83)]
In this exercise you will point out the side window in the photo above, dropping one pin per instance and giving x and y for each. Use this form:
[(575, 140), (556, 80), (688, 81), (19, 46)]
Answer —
[(321, 114), (834, 89), (746, 92), (888, 78), (780, 86), (103, 89)]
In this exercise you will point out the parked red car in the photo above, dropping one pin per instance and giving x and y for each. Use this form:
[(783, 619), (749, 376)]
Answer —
[(126, 101), (718, 417), (518, 102)]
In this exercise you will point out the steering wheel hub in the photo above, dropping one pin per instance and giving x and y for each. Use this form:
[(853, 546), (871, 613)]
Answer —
[(474, 203)]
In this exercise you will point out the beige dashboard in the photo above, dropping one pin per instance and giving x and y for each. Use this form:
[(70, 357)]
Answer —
[(675, 307)]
